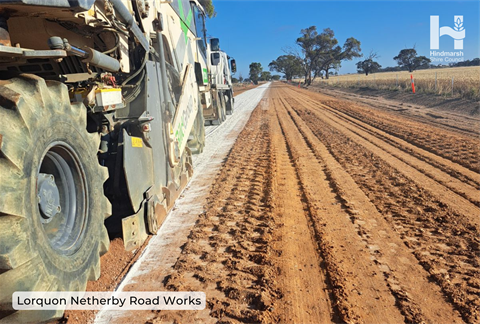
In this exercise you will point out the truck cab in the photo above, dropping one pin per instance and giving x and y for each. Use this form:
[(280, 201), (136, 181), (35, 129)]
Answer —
[(221, 68)]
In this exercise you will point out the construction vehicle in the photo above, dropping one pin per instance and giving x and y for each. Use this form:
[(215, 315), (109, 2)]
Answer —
[(101, 107), (221, 68)]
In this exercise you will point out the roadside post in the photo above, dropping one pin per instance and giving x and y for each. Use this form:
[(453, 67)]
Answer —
[(413, 83)]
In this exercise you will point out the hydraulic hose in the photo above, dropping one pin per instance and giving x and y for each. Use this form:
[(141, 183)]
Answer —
[(123, 12)]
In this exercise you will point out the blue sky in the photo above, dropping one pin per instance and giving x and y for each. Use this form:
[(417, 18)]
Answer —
[(257, 31)]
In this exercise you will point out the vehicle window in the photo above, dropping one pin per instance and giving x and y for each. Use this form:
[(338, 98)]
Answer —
[(200, 29)]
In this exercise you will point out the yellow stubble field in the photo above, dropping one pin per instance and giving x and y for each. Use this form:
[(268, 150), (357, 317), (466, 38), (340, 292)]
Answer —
[(461, 82)]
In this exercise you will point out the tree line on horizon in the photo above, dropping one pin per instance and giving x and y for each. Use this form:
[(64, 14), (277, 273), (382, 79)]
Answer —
[(473, 62), (318, 54)]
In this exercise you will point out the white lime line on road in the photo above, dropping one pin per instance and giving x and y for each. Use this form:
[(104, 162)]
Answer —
[(163, 249)]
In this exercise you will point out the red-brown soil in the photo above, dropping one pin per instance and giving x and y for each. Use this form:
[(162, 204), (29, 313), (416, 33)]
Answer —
[(329, 211), (114, 265), (241, 88)]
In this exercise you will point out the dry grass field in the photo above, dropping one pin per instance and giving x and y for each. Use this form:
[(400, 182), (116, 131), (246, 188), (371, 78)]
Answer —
[(466, 81)]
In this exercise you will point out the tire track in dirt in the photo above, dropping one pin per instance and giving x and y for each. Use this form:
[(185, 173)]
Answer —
[(376, 145), (360, 295), (465, 175), (459, 148), (256, 263), (396, 264), (383, 244), (306, 288), (444, 242), (228, 254), (253, 251), (419, 174), (461, 121)]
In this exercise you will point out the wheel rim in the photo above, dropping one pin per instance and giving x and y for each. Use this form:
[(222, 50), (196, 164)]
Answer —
[(61, 179)]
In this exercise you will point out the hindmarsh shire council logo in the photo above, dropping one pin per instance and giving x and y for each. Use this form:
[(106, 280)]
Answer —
[(457, 33)]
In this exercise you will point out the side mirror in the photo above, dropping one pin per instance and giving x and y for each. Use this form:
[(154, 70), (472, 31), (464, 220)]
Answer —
[(215, 58), (233, 66), (215, 44)]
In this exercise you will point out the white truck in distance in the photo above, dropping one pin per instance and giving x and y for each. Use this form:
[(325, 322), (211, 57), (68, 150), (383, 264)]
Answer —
[(221, 71)]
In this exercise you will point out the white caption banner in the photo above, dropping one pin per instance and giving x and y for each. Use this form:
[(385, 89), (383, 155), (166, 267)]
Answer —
[(130, 300)]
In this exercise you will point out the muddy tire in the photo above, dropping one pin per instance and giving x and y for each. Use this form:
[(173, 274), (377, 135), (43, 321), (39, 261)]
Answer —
[(224, 106), (51, 238), (221, 109), (196, 141), (230, 103)]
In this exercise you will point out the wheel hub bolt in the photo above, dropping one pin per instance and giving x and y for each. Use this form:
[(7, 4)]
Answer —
[(48, 197)]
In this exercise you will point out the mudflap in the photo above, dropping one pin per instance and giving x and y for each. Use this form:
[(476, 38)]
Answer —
[(148, 220), (210, 112), (175, 190), (136, 228)]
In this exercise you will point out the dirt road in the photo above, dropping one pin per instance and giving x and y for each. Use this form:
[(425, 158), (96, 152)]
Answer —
[(327, 211)]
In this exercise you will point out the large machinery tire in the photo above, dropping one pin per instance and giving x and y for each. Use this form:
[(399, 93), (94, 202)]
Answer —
[(51, 238), (196, 141), (230, 103), (224, 106), (221, 109)]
